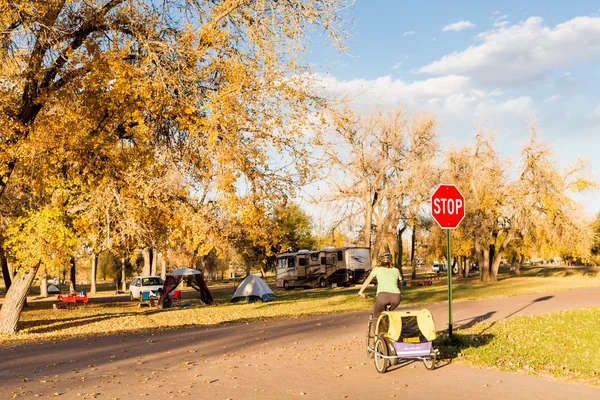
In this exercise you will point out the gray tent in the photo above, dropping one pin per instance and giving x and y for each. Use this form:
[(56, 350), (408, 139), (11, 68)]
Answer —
[(52, 289), (252, 289)]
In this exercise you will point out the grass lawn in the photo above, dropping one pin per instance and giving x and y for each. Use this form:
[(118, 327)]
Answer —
[(562, 345), (41, 322)]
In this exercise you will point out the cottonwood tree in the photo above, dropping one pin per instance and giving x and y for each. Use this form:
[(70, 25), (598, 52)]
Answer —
[(368, 152), (215, 87), (422, 175), (500, 209), (387, 164)]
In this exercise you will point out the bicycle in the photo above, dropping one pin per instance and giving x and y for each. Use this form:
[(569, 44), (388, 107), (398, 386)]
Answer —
[(370, 340)]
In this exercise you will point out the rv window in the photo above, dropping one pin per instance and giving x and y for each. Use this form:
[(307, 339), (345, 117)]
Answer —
[(323, 261), (281, 263), (302, 261), (340, 257)]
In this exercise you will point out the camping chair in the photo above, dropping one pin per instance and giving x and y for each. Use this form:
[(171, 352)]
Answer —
[(146, 298), (177, 295)]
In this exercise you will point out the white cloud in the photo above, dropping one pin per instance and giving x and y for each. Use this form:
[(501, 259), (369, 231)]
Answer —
[(521, 105), (551, 99), (523, 51), (500, 24), (409, 33), (454, 98), (386, 90), (458, 26)]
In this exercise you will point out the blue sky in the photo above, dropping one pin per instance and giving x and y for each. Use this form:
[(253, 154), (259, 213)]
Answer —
[(503, 62)]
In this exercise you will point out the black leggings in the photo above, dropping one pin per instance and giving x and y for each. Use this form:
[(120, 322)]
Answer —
[(383, 299)]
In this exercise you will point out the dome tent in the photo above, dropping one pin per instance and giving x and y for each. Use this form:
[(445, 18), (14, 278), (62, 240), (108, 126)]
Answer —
[(53, 289), (252, 289)]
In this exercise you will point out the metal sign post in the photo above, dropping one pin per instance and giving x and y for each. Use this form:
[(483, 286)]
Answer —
[(449, 255), (448, 210)]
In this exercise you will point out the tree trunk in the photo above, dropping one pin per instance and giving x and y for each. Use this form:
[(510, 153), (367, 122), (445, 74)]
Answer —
[(491, 254), (73, 284), (15, 300), (154, 265), (6, 272), (496, 264), (466, 267), (413, 247), (400, 251), (483, 258), (44, 286), (94, 272), (498, 252), (519, 265), (163, 271), (368, 223), (146, 253), (123, 280)]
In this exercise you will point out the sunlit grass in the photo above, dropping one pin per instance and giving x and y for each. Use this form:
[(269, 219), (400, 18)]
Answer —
[(40, 322), (562, 345)]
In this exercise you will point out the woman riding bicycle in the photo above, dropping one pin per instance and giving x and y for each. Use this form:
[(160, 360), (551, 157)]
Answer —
[(388, 288)]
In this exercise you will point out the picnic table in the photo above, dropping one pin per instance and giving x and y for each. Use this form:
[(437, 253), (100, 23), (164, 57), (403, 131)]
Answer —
[(73, 298)]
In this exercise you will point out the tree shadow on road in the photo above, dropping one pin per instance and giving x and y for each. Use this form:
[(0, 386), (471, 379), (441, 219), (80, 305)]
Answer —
[(538, 300), (469, 322)]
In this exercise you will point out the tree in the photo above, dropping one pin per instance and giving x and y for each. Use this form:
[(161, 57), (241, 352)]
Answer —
[(294, 228), (369, 153), (536, 205), (95, 89), (387, 163), (36, 238)]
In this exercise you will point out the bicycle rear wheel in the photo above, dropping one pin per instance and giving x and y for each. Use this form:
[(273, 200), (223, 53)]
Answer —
[(381, 351)]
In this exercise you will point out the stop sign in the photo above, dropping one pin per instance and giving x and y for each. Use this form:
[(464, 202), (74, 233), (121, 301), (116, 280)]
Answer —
[(447, 206)]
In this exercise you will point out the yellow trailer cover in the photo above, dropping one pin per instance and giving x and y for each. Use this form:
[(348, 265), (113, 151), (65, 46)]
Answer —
[(414, 326)]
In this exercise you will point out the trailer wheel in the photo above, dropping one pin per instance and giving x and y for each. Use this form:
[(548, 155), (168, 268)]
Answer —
[(381, 363), (323, 283), (286, 285), (391, 352), (430, 362)]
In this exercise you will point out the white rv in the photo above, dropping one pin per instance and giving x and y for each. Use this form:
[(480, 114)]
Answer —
[(322, 268)]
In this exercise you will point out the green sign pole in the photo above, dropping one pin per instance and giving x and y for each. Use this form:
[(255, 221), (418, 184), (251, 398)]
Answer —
[(449, 258)]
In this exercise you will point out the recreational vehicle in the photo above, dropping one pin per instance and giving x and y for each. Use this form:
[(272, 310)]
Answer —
[(322, 268)]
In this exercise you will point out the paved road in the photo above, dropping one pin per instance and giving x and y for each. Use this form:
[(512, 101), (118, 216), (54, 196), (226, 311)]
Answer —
[(308, 358)]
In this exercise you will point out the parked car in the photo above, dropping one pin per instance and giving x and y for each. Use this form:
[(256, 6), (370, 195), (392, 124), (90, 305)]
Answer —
[(437, 267), (139, 284)]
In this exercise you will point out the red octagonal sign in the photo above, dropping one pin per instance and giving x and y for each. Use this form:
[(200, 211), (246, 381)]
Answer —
[(447, 206)]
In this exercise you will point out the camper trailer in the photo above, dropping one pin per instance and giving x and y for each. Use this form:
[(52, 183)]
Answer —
[(322, 268)]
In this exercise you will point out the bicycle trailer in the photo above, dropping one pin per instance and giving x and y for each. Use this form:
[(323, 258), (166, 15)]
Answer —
[(404, 335)]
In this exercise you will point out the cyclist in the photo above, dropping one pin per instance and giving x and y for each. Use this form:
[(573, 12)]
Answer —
[(388, 288)]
